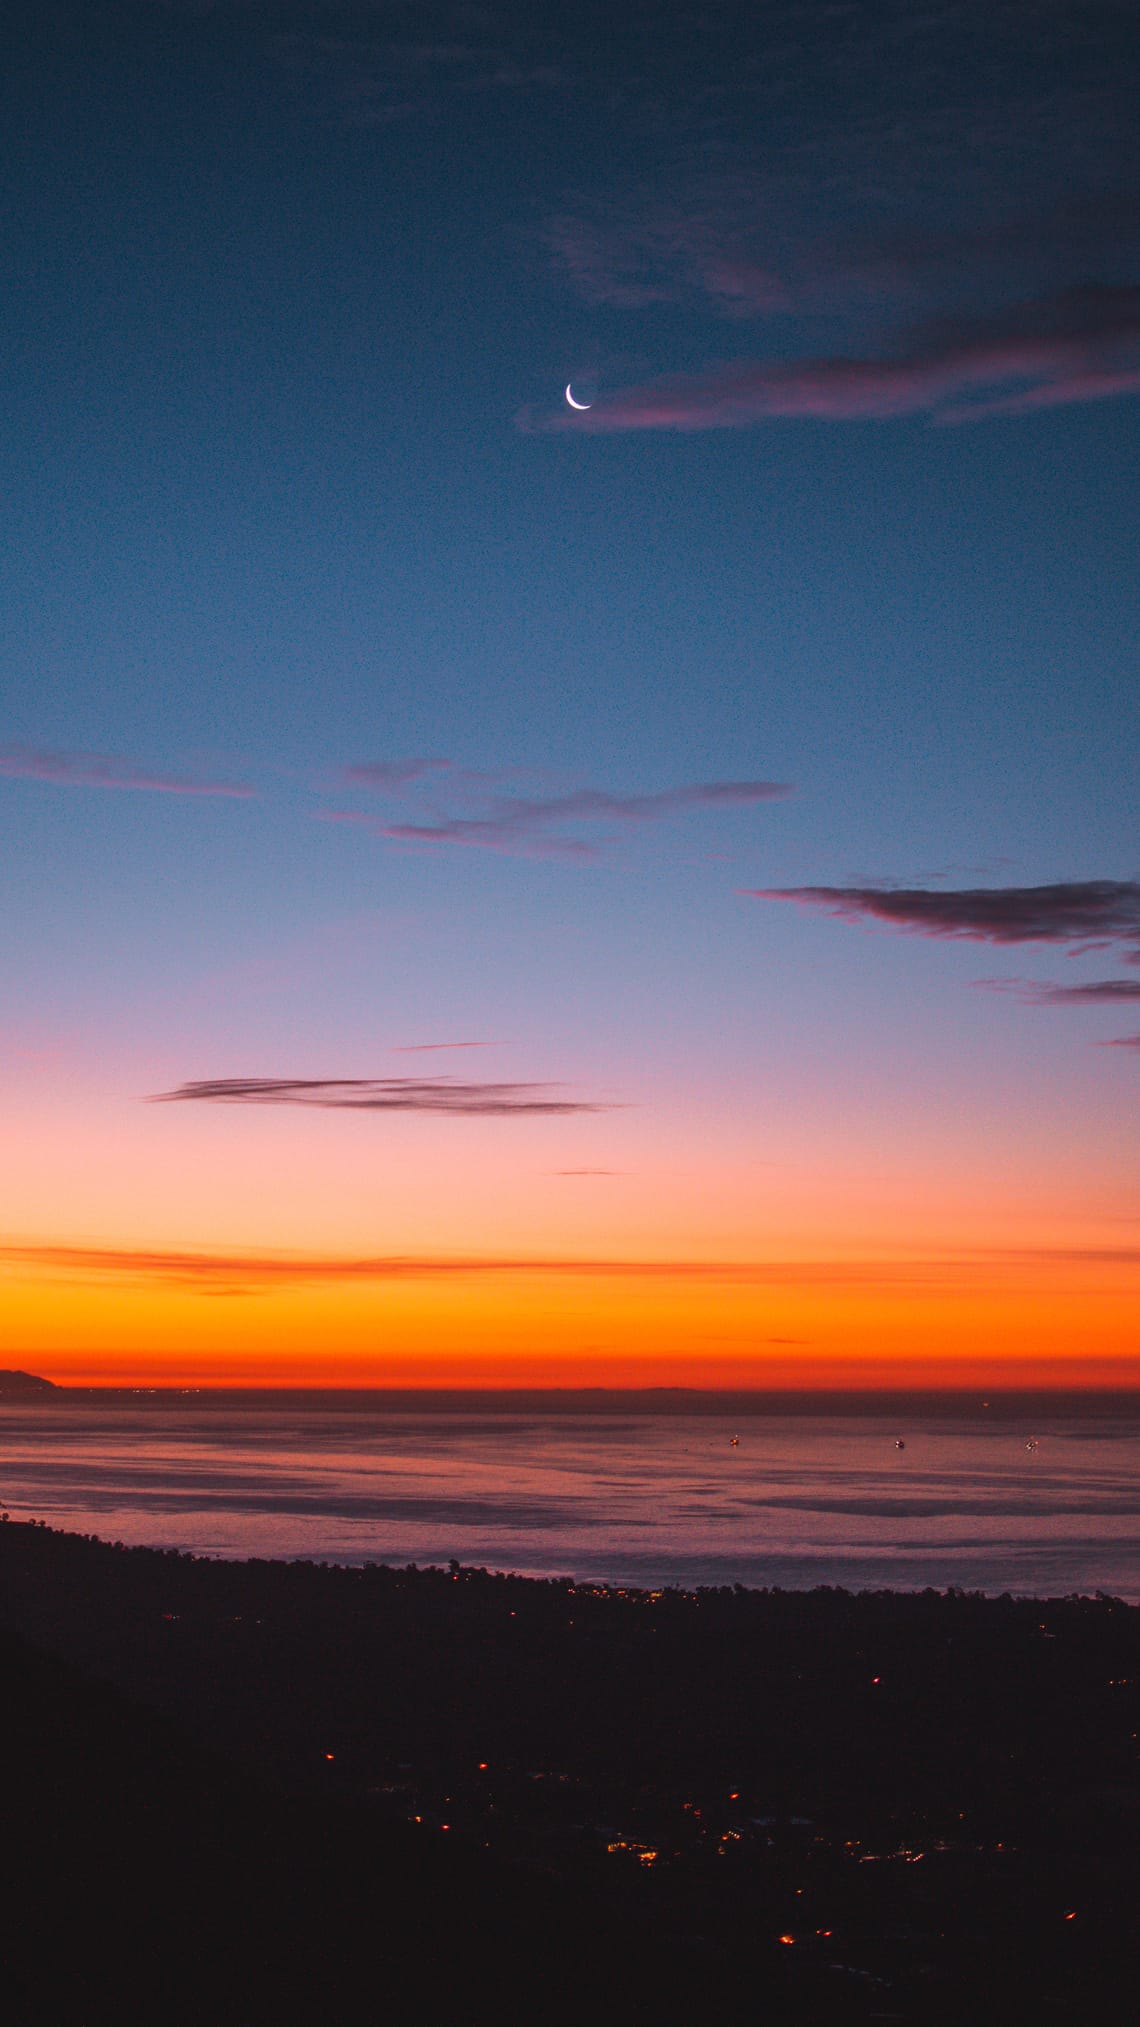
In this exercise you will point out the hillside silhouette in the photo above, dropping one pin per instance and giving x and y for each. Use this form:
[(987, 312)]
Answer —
[(241, 1789)]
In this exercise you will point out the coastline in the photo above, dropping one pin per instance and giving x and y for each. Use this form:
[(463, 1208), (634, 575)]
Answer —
[(999, 1402)]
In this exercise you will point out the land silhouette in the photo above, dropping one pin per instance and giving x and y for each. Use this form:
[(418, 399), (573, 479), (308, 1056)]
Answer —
[(289, 1791)]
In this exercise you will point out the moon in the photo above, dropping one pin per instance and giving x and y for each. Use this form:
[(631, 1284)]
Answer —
[(582, 405)]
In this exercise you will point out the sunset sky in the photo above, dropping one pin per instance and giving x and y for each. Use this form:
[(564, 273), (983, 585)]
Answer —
[(499, 893)]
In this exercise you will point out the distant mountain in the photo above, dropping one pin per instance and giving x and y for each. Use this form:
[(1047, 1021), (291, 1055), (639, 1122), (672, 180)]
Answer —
[(25, 1383)]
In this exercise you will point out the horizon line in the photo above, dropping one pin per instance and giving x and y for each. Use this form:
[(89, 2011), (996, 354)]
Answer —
[(1006, 1388)]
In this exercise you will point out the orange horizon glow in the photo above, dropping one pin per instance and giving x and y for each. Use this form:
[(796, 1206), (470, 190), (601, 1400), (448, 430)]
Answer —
[(459, 1254), (1108, 1377), (1016, 1317)]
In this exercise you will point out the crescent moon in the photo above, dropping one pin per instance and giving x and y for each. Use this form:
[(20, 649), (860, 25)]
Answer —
[(582, 405)]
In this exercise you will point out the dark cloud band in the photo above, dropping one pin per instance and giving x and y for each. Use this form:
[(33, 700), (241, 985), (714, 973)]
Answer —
[(380, 1094), (1073, 912), (1094, 992)]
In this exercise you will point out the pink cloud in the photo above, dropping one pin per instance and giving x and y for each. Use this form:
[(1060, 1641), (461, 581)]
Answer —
[(528, 826), (96, 770), (1082, 345)]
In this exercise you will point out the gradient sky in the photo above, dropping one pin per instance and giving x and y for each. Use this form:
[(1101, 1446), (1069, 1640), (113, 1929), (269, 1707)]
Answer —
[(647, 894)]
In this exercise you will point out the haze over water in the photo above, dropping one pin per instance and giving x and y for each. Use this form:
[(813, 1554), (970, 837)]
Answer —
[(1010, 1498)]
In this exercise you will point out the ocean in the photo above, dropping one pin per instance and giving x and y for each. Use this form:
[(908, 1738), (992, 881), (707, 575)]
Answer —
[(1034, 1496)]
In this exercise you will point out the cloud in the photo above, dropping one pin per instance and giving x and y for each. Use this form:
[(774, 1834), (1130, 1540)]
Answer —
[(430, 1048), (1080, 345), (97, 770), (531, 826), (391, 773), (1097, 991), (380, 1094), (489, 834), (648, 252), (1081, 912), (212, 1270), (725, 241), (1124, 1042)]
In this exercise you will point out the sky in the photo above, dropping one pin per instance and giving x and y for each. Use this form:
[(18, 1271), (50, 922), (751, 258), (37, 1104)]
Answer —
[(643, 892)]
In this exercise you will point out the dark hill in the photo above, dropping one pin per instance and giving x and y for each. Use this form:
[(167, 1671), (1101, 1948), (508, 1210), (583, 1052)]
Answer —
[(543, 1801), (14, 1382), (144, 1881)]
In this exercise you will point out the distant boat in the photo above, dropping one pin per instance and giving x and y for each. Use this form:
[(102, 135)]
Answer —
[(734, 1442), (899, 1444), (1031, 1442)]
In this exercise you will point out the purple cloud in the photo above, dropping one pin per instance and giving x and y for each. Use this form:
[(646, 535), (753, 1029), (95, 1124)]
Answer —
[(1097, 991), (1082, 345), (96, 770), (530, 825), (726, 241), (1074, 911), (1124, 1042), (487, 832), (379, 1094)]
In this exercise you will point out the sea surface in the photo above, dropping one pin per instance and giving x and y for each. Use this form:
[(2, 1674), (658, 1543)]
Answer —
[(1020, 1497)]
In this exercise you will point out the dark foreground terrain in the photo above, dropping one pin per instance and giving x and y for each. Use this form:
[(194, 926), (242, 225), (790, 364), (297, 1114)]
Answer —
[(262, 1791)]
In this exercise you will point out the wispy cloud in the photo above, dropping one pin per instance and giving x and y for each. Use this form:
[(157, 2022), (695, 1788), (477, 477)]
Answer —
[(1095, 992), (535, 826), (1080, 345), (211, 1269), (491, 834), (1124, 1042), (1078, 912), (726, 241), (431, 1048), (649, 251), (380, 1094), (98, 770)]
